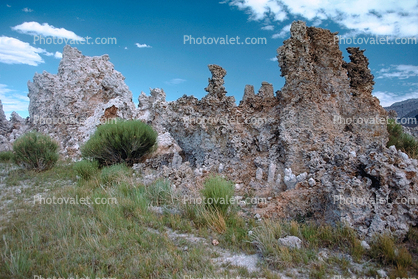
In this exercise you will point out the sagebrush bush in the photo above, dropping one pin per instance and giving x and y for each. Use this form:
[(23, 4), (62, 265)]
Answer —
[(115, 174), (401, 140), (6, 156), (125, 141), (86, 169), (35, 151), (218, 192)]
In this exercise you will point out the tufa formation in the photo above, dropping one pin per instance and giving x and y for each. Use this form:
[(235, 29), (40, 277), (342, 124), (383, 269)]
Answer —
[(295, 146)]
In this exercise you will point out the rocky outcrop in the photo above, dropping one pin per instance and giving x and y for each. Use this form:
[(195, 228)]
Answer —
[(11, 130), (317, 147), (321, 99), (86, 91)]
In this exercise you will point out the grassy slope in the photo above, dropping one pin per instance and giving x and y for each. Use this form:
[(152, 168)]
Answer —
[(128, 240)]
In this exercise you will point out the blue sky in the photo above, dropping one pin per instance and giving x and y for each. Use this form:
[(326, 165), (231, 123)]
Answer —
[(150, 50)]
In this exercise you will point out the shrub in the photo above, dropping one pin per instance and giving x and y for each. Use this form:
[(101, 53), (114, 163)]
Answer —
[(126, 141), (35, 151), (6, 156), (401, 140), (218, 193), (86, 169), (114, 174)]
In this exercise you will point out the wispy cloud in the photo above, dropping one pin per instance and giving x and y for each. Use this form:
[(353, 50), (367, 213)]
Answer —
[(175, 81), (58, 55), (27, 10), (142, 45), (273, 59), (8, 6), (14, 51), (388, 98), (268, 27), (283, 33), (398, 71), (13, 101), (395, 18), (34, 28)]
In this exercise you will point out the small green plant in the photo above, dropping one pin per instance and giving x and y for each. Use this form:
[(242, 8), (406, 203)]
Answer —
[(125, 141), (35, 151), (86, 169), (383, 248), (401, 140), (115, 174), (159, 192), (6, 156), (218, 193)]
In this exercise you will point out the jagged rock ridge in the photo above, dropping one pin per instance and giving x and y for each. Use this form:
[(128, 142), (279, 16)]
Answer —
[(297, 146)]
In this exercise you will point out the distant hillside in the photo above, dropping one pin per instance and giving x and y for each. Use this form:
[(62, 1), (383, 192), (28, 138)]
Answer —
[(404, 108)]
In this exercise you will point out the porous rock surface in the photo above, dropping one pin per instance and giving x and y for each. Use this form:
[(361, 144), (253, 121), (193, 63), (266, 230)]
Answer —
[(85, 92), (295, 146)]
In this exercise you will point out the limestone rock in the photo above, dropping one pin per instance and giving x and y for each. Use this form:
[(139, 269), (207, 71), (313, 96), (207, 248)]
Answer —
[(266, 90), (248, 92), (291, 241), (86, 92)]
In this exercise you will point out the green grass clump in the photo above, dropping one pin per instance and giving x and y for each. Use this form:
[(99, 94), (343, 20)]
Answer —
[(384, 249), (6, 156), (125, 141), (217, 192), (401, 140), (35, 151), (160, 192), (86, 169), (115, 174)]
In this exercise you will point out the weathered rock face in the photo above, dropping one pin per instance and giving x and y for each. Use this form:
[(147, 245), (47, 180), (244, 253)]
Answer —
[(86, 92), (318, 97), (4, 123), (11, 130), (317, 147), (211, 131)]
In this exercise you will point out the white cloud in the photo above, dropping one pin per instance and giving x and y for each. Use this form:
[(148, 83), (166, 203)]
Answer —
[(8, 6), (388, 98), (14, 51), (126, 47), (268, 27), (273, 59), (142, 45), (283, 33), (27, 10), (34, 28), (13, 101), (58, 55), (395, 18), (398, 71), (175, 81)]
